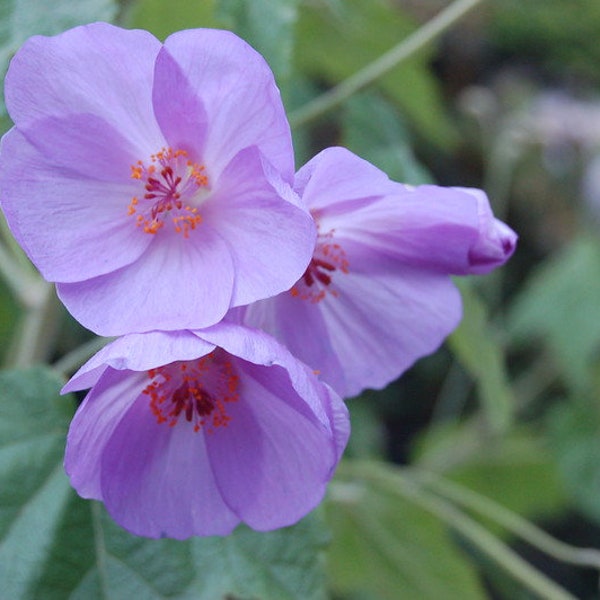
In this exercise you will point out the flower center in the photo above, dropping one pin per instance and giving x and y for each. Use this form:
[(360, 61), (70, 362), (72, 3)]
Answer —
[(170, 181), (194, 390), (328, 258)]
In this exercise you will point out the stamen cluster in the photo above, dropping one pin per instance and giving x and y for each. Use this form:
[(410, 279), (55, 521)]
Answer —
[(171, 182), (329, 257), (201, 416), (197, 390)]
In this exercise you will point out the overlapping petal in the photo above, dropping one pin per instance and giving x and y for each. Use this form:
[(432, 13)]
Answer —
[(267, 467), (151, 182), (178, 108), (242, 102), (415, 311), (166, 288), (95, 69), (270, 241), (377, 295), (158, 481)]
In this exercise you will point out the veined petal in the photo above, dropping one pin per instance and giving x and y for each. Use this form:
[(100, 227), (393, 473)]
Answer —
[(139, 352), (178, 109), (384, 320), (275, 462), (97, 69), (443, 229), (158, 481), (164, 465), (238, 91), (270, 239), (85, 146), (448, 230), (301, 326), (93, 425), (63, 219), (336, 180), (165, 289), (257, 347)]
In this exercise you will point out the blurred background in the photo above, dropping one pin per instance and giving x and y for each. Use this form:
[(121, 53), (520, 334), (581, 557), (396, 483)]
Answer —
[(508, 99)]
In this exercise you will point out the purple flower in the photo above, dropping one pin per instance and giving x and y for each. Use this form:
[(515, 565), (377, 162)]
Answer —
[(150, 181), (377, 293), (189, 433)]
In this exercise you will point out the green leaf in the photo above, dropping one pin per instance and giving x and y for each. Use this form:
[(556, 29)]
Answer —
[(92, 558), (337, 39), (515, 470), (20, 19), (54, 545), (374, 130), (575, 435), (162, 18), (269, 25), (559, 306), (33, 488), (385, 546), (478, 350), (287, 564)]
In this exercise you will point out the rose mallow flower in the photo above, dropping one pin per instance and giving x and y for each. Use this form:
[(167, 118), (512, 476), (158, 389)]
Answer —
[(190, 433), (377, 294), (151, 181)]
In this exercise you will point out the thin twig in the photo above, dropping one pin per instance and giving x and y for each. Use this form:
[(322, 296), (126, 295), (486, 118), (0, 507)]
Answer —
[(517, 525), (500, 553), (373, 71)]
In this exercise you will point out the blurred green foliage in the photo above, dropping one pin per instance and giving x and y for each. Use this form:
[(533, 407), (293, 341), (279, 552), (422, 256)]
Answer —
[(511, 411), (556, 34)]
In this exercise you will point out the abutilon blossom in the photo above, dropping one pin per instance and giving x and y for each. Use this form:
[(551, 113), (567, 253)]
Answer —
[(151, 182), (192, 432), (377, 294)]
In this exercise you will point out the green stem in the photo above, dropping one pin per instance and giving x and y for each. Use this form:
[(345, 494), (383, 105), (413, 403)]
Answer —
[(38, 330), (472, 531), (522, 528), (18, 257), (18, 281), (100, 549), (373, 71)]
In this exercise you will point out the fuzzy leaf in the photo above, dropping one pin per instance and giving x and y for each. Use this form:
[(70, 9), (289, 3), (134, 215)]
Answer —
[(33, 488)]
